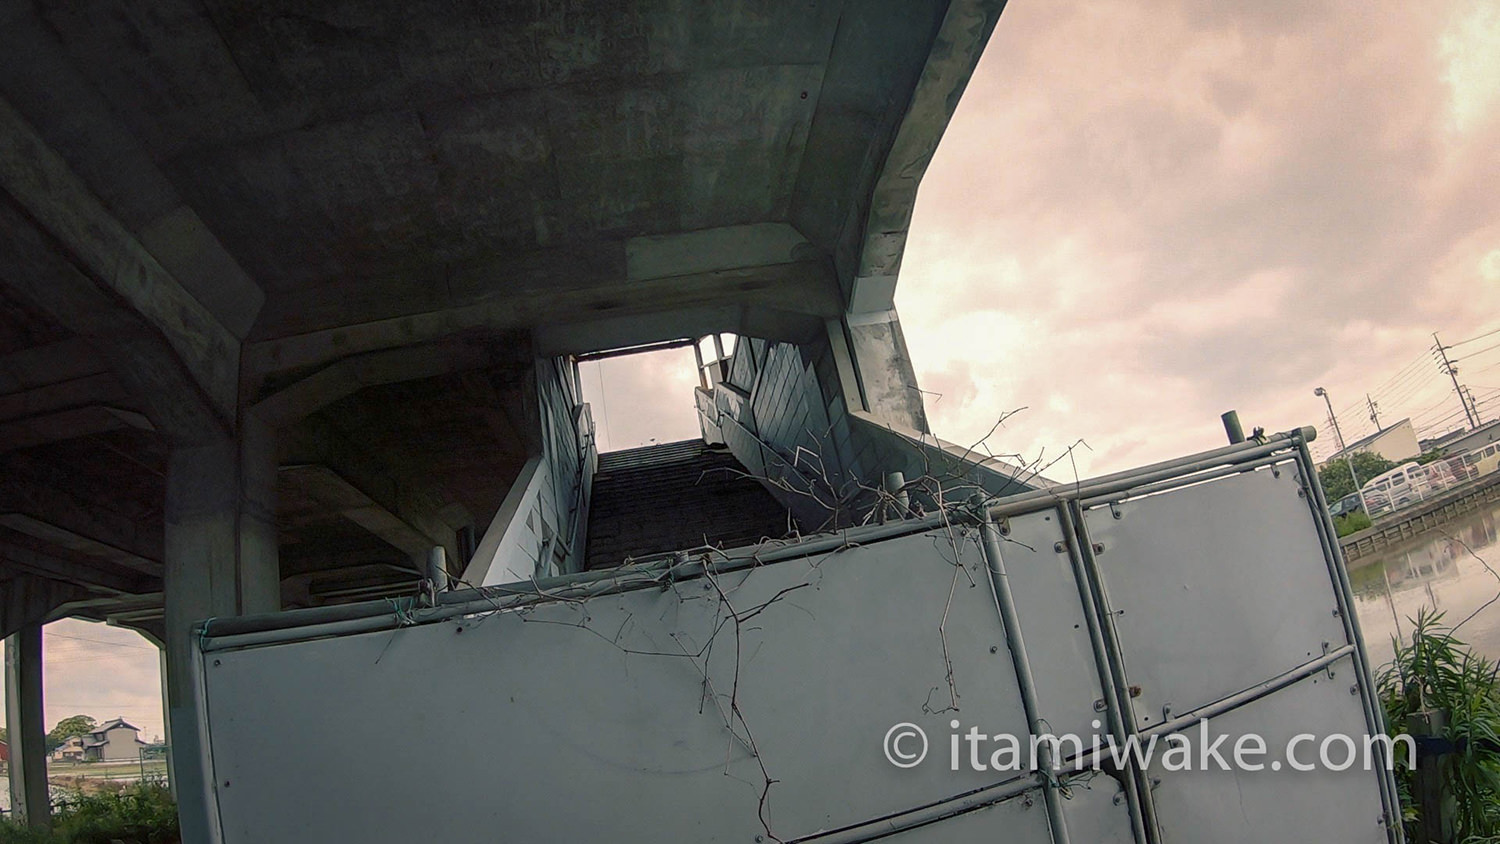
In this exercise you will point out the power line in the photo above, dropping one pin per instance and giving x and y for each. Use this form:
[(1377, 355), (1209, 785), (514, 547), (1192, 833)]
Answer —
[(1478, 337), (1413, 369), (1395, 382), (1442, 421), (49, 634), (1452, 372), (1476, 354), (1430, 408), (1411, 391)]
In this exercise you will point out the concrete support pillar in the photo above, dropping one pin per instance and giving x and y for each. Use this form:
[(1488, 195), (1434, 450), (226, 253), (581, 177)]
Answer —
[(24, 724), (884, 370), (221, 560)]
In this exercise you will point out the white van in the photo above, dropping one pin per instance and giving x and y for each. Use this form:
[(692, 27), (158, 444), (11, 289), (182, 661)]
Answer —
[(1403, 485)]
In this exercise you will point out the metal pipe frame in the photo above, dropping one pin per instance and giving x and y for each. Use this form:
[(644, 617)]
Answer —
[(1111, 675), (922, 816), (1121, 482), (650, 573), (1005, 600), (1274, 459), (1338, 570), (1115, 656), (1250, 695)]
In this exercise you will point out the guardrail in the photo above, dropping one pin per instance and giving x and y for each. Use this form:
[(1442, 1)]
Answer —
[(1411, 522)]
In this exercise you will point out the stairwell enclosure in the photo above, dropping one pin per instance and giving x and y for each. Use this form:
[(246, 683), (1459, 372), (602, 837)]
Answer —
[(541, 526), (743, 695), (801, 417)]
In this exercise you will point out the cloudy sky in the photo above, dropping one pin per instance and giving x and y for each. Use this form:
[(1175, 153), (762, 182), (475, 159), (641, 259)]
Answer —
[(1147, 213), (102, 671), (1144, 214)]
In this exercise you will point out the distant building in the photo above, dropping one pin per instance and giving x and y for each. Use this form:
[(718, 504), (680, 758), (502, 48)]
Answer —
[(1396, 443), (71, 750), (113, 741), (1461, 440)]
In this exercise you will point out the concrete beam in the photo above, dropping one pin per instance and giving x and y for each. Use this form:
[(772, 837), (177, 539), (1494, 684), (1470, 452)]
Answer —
[(711, 250), (33, 505), (36, 74), (578, 336), (352, 374), (52, 567), (803, 287), (40, 366), (67, 425), (950, 64), (69, 257), (38, 270), (79, 543), (32, 599), (98, 388), (26, 727), (394, 489), (329, 489)]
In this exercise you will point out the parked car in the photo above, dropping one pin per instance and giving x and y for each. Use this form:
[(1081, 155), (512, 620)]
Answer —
[(1346, 505)]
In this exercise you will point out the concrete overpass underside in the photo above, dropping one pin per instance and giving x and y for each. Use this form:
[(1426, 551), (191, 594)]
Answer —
[(276, 279)]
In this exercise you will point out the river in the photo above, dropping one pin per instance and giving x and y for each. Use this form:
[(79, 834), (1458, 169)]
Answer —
[(1447, 569)]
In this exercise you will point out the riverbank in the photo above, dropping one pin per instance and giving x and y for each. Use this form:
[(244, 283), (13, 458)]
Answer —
[(1415, 521)]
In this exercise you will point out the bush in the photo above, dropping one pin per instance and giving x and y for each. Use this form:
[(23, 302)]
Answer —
[(1437, 672), (1351, 523), (137, 813)]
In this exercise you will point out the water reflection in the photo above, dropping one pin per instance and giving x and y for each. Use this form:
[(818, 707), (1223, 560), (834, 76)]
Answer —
[(1443, 569)]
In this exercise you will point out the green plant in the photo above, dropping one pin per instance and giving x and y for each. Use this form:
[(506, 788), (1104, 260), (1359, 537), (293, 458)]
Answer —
[(1436, 672), (1351, 523), (73, 725), (137, 813), (12, 833)]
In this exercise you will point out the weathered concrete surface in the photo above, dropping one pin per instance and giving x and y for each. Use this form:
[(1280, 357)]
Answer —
[(275, 280), (367, 163), (25, 727), (887, 378)]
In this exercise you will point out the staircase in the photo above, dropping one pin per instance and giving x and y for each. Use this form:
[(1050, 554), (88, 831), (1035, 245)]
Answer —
[(674, 496)]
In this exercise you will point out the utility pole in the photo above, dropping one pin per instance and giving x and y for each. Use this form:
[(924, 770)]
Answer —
[(1348, 458), (1374, 412), (1468, 391), (1452, 372), (1337, 434)]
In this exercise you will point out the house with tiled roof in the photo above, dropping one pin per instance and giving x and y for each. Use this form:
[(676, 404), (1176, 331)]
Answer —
[(112, 741)]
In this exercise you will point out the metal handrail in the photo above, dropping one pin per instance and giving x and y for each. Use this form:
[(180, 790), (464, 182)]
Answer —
[(216, 634)]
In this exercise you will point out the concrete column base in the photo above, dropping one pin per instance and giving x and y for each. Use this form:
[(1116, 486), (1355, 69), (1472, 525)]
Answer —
[(29, 797), (221, 560)]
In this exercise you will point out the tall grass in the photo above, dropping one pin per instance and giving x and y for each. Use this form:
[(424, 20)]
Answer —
[(1351, 523), (1436, 672), (137, 813)]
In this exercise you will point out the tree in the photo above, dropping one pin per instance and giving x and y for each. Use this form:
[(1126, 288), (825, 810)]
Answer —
[(1335, 473), (73, 725)]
